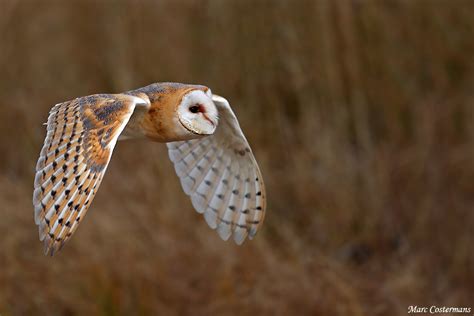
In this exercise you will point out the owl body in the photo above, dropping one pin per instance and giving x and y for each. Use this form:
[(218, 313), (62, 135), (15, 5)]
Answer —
[(160, 122), (210, 154)]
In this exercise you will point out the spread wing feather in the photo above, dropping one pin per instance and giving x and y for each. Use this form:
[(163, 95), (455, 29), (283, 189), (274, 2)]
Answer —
[(220, 174), (81, 135)]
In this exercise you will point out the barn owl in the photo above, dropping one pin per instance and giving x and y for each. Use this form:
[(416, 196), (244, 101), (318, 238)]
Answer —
[(211, 157)]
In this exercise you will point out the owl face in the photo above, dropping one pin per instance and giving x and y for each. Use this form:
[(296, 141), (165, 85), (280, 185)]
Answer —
[(197, 113)]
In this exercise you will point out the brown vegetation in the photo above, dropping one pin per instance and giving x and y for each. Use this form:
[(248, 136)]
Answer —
[(360, 114)]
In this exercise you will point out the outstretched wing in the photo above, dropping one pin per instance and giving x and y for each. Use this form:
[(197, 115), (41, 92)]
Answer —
[(220, 174), (81, 135)]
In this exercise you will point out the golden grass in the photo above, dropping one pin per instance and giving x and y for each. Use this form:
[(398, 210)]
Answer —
[(361, 117)]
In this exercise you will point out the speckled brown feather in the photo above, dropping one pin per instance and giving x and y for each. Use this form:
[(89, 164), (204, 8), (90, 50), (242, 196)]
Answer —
[(81, 135)]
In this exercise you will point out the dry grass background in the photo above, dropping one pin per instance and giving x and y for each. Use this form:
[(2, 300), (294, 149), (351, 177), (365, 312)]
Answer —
[(359, 112)]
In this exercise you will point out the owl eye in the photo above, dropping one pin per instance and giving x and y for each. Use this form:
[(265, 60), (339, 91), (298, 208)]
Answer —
[(195, 108)]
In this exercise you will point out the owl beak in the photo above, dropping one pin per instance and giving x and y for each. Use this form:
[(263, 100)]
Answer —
[(209, 120)]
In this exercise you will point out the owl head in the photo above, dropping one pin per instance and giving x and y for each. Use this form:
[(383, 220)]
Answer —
[(197, 113), (177, 112)]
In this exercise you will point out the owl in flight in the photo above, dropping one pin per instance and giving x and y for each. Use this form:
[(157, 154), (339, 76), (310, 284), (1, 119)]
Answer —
[(210, 154)]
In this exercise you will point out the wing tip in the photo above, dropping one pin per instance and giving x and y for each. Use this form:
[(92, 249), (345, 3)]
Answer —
[(37, 196), (199, 203), (224, 231), (38, 210), (187, 184), (51, 246), (42, 230), (40, 163), (252, 232), (211, 218), (48, 248), (240, 235)]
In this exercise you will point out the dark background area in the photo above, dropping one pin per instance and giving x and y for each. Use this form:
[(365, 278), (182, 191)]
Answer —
[(360, 114)]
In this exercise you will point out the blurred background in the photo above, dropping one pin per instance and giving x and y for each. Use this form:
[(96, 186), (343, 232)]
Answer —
[(360, 114)]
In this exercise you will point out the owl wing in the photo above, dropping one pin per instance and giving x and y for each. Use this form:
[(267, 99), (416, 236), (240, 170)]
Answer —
[(221, 175), (81, 135)]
